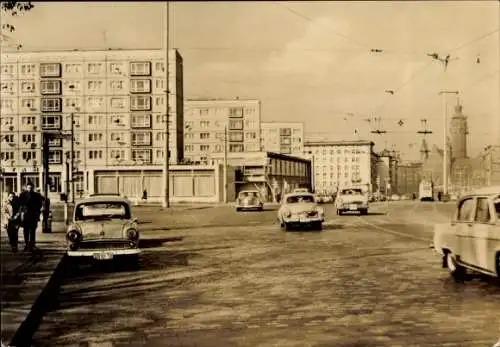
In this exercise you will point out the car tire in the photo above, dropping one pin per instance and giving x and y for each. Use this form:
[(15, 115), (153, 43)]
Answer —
[(339, 212), (498, 264), (261, 208), (238, 209), (457, 271), (363, 212), (317, 226), (288, 226)]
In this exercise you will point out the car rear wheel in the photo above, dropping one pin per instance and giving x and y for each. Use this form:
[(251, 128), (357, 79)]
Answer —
[(238, 209), (288, 226), (498, 264), (363, 212), (317, 226), (457, 271)]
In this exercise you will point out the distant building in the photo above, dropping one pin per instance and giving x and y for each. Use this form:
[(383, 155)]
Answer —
[(284, 138), (386, 173), (458, 134), (409, 177), (339, 164), (117, 97), (489, 165), (205, 124)]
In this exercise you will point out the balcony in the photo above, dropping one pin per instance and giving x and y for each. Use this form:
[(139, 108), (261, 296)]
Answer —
[(140, 103), (140, 68), (50, 87), (51, 122), (51, 105), (141, 139), (138, 86), (50, 70)]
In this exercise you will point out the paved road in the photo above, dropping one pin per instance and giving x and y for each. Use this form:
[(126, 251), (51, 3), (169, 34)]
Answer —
[(362, 281)]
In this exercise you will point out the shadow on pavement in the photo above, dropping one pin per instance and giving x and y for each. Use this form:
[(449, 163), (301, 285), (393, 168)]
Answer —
[(333, 226), (158, 242)]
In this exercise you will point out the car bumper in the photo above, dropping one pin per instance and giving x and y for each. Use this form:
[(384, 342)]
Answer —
[(352, 207), (93, 252), (304, 220), (248, 207)]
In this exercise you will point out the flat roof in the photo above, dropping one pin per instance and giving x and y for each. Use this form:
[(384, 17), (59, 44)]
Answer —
[(339, 143), (491, 190)]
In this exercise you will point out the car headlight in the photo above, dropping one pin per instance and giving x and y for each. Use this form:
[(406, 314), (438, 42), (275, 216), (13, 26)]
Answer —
[(132, 234), (287, 213), (74, 235)]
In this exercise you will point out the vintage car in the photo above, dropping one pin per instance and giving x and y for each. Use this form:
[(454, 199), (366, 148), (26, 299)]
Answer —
[(103, 228), (300, 209), (249, 200), (353, 200), (471, 240)]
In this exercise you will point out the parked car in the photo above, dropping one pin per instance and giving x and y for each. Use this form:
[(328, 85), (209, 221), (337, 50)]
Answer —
[(395, 197), (353, 200), (300, 209), (103, 228), (471, 240), (249, 200)]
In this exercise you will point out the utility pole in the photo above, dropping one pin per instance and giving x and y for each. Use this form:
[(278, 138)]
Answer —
[(45, 162), (72, 159), (166, 195), (445, 139), (225, 165)]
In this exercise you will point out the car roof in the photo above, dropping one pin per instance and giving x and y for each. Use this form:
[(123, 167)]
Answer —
[(298, 194), (249, 191), (103, 198), (491, 190)]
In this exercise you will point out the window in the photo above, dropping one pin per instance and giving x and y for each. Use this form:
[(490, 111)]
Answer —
[(51, 122), (285, 149), (236, 112), (204, 124), (140, 68), (28, 87), (141, 155), (95, 119), (159, 84), (55, 142), (7, 155), (483, 211), (204, 136), (285, 131), (7, 69), (204, 148), (466, 210), (8, 138), (72, 103), (140, 86), (27, 138), (188, 148), (55, 157), (7, 104), (28, 120), (117, 103), (73, 68), (285, 141), (116, 85), (50, 87), (51, 105), (140, 103), (251, 135), (72, 86), (94, 86), (235, 124), (7, 120), (236, 136), (117, 137), (218, 148), (95, 154), (28, 103), (95, 101), (116, 68), (28, 69), (159, 67), (159, 101), (50, 70), (117, 119), (29, 155), (141, 121), (236, 148), (117, 154), (7, 87), (94, 68), (141, 139), (95, 137)]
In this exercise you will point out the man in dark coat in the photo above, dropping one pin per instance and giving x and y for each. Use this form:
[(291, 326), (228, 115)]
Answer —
[(31, 204)]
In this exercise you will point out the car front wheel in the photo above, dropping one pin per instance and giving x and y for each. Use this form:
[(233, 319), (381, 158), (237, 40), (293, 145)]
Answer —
[(317, 226), (456, 270)]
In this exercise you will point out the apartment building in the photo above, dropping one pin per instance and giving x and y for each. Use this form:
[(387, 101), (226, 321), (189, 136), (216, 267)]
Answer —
[(340, 164), (284, 138), (117, 99), (210, 124)]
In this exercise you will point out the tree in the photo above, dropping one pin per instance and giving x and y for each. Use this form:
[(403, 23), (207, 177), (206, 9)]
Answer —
[(15, 8)]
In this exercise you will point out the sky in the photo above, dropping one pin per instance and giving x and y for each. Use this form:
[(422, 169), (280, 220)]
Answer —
[(311, 61)]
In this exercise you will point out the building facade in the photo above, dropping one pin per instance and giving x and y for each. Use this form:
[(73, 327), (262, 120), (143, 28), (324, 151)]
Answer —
[(386, 177), (284, 138), (409, 178), (117, 99), (210, 125), (341, 164)]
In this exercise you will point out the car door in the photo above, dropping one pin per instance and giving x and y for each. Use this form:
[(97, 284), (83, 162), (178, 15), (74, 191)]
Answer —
[(480, 233), (463, 224)]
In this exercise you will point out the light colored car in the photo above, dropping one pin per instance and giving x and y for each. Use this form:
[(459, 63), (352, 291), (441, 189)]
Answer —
[(352, 200), (300, 209), (395, 197), (103, 228), (301, 190), (249, 200), (471, 240)]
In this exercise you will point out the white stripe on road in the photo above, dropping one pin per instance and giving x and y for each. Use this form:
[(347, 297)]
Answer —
[(394, 232)]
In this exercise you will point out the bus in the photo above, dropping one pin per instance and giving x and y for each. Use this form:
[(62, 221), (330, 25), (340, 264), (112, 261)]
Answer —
[(426, 190)]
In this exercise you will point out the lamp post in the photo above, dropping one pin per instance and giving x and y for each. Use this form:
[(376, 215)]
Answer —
[(225, 165), (166, 174), (445, 139), (313, 179)]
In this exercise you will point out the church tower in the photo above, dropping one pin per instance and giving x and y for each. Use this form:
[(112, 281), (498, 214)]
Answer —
[(458, 132)]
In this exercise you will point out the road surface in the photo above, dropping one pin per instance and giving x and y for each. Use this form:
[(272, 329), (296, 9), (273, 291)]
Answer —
[(239, 280)]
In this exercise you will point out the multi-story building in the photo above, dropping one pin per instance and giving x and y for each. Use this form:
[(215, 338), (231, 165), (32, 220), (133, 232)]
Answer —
[(284, 138), (409, 178), (340, 164), (386, 180), (209, 125), (117, 99)]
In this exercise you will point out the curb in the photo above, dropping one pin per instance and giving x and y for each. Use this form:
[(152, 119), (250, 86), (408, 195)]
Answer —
[(24, 333)]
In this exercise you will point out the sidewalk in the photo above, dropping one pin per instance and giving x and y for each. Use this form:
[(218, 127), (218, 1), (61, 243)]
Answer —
[(25, 282)]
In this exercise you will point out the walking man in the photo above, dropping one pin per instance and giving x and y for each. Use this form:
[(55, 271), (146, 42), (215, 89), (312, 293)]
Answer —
[(10, 211), (31, 203)]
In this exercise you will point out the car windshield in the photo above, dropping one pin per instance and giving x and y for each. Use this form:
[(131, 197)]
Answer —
[(354, 191), (248, 195), (296, 199), (102, 210)]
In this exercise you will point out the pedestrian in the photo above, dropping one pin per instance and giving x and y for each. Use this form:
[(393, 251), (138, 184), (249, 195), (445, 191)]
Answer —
[(10, 212), (31, 204), (145, 195)]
